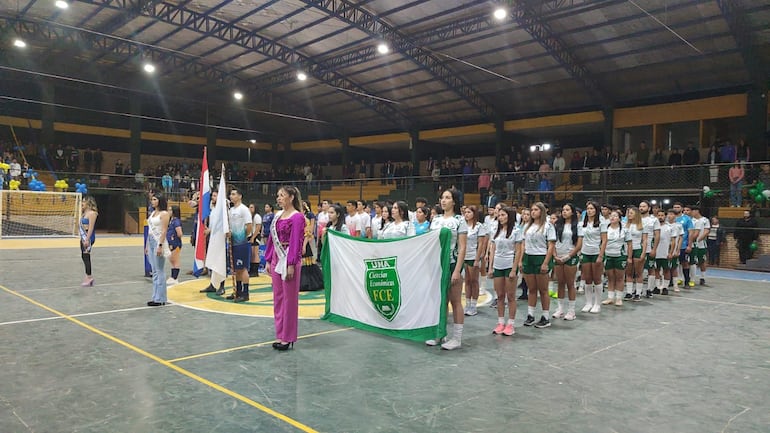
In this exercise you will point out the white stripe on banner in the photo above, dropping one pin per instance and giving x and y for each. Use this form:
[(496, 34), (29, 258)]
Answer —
[(393, 287)]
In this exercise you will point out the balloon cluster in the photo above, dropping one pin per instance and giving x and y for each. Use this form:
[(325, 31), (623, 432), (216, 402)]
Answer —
[(36, 185), (14, 184), (5, 166), (708, 192), (81, 188), (759, 193), (61, 184)]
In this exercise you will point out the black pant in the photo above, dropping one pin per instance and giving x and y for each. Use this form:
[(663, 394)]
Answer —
[(744, 251), (713, 251)]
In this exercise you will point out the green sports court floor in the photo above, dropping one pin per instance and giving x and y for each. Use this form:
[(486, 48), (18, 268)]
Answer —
[(96, 359)]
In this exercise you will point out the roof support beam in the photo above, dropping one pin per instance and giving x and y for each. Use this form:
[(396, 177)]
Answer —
[(442, 33), (50, 32), (250, 40), (741, 29), (376, 27), (528, 19)]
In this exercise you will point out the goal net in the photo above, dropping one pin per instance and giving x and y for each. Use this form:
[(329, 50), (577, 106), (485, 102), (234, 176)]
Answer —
[(39, 214)]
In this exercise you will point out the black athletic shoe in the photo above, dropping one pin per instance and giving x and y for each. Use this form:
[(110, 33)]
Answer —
[(209, 289), (656, 291), (493, 304), (702, 282), (530, 320), (523, 297), (636, 298), (629, 296), (648, 294), (664, 292), (543, 323)]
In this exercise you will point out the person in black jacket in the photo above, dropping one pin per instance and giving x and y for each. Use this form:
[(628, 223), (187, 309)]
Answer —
[(714, 241), (746, 232)]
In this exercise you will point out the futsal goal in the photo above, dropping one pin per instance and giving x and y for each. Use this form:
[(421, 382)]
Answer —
[(39, 214)]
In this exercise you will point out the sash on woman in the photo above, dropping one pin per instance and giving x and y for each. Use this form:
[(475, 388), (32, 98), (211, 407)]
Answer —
[(281, 266)]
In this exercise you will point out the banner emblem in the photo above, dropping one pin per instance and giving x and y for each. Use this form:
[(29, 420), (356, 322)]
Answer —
[(383, 286)]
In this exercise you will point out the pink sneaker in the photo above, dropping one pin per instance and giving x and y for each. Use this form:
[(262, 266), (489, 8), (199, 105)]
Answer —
[(508, 330), (499, 329)]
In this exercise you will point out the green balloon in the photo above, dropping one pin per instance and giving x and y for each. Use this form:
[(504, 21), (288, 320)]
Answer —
[(754, 246), (708, 194), (760, 186), (759, 198)]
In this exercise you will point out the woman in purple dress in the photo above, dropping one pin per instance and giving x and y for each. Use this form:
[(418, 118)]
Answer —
[(283, 256)]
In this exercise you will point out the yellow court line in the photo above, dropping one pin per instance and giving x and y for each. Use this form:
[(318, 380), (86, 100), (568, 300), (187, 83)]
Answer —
[(249, 346), (167, 364)]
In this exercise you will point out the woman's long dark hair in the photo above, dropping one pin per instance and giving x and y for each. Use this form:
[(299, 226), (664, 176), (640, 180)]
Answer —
[(596, 215), (340, 211), (508, 225), (573, 223)]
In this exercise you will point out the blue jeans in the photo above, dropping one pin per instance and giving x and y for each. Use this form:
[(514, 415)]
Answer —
[(736, 194), (157, 263)]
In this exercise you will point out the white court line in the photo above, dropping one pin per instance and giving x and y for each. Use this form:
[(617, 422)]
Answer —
[(81, 287), (95, 313), (734, 304)]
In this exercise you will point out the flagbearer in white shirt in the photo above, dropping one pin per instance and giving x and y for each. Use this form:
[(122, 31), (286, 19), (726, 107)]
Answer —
[(240, 229)]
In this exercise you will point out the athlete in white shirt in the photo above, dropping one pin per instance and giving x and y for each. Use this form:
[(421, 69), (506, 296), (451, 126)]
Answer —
[(505, 247), (568, 246), (476, 250), (594, 236), (665, 250), (539, 243), (652, 227), (450, 219), (616, 258), (702, 227), (640, 234)]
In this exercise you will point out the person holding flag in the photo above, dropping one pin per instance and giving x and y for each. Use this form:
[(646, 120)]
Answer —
[(240, 229), (219, 227), (204, 209)]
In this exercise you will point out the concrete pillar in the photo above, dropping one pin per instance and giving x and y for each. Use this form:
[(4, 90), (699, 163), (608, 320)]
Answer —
[(414, 147), (609, 127), (48, 114), (756, 124), (211, 148), (135, 130)]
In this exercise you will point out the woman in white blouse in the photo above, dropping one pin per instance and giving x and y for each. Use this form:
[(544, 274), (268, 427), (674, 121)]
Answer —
[(400, 227)]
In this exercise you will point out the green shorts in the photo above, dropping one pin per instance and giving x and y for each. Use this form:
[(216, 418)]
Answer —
[(589, 258), (649, 263), (663, 264), (532, 264), (637, 254), (615, 262), (502, 273), (674, 262), (469, 263), (698, 256)]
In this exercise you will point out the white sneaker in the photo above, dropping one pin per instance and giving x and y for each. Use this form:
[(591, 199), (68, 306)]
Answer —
[(558, 314), (434, 342), (570, 315), (472, 311), (596, 308), (451, 344), (581, 290), (587, 308), (171, 282)]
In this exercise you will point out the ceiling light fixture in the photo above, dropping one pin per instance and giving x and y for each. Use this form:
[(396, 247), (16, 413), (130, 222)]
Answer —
[(500, 14), (61, 4), (18, 43), (301, 76), (383, 48), (238, 96), (149, 68)]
